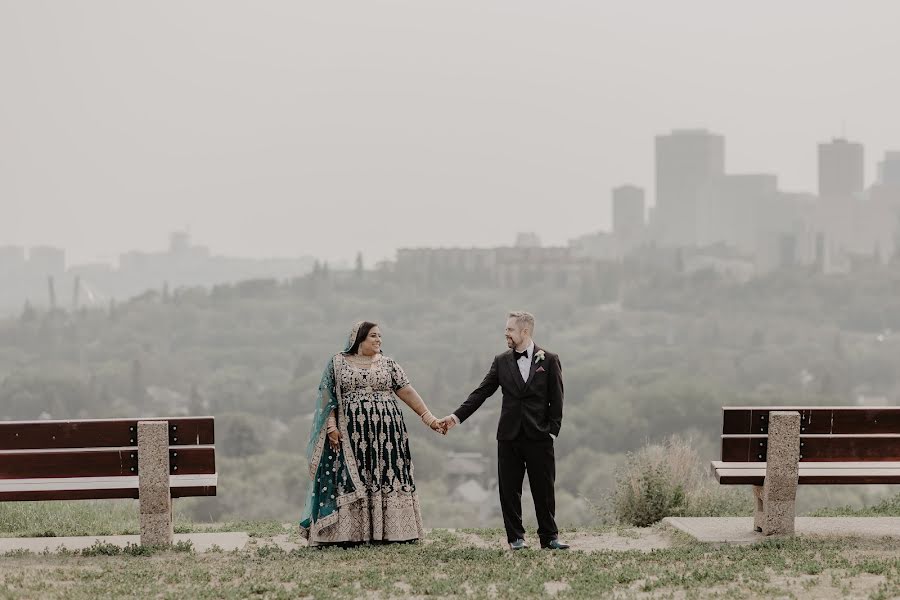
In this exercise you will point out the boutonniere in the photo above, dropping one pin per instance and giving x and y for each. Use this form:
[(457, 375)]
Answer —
[(538, 356)]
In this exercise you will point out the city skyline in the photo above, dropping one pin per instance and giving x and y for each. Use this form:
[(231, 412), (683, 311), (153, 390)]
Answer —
[(686, 179), (308, 129)]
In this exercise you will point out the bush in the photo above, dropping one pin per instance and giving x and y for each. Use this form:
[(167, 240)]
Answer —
[(670, 479)]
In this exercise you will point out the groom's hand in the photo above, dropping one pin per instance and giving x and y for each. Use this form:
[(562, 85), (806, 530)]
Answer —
[(448, 423)]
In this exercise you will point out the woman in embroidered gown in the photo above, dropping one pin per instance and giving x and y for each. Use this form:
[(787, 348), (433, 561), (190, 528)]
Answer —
[(362, 487)]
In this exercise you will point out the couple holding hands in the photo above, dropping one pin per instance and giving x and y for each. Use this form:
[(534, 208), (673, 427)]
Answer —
[(361, 472)]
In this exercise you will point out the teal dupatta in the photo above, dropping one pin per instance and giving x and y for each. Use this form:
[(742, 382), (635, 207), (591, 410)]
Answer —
[(334, 477)]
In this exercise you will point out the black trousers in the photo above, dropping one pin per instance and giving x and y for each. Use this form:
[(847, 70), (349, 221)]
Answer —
[(514, 459)]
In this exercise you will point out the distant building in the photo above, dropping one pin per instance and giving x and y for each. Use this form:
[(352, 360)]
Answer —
[(598, 246), (510, 266), (179, 242), (734, 268), (788, 233), (887, 188), (528, 240), (889, 169), (841, 169), (686, 161), (735, 209), (628, 214)]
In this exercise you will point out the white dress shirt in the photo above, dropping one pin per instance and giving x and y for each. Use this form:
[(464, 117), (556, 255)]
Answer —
[(524, 362)]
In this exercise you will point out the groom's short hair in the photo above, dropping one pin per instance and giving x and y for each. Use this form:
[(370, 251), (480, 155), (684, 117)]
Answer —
[(523, 319)]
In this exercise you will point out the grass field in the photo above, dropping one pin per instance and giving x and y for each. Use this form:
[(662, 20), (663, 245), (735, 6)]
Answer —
[(460, 564)]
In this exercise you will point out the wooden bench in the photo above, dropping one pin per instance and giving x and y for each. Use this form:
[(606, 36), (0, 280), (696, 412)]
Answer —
[(153, 460), (774, 449)]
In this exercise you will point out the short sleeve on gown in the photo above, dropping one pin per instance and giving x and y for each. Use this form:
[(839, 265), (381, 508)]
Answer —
[(399, 380)]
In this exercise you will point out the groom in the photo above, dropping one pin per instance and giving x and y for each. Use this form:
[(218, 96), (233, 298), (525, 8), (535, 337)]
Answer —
[(530, 418)]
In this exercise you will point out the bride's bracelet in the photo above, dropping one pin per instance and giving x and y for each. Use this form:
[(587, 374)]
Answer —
[(428, 418)]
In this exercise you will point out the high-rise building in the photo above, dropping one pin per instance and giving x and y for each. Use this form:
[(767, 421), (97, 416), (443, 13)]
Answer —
[(889, 169), (841, 169), (733, 209), (686, 160), (628, 212)]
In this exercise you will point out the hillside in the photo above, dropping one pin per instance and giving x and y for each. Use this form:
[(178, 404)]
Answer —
[(646, 353)]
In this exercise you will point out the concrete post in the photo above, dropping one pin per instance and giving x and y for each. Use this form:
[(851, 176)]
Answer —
[(153, 480), (779, 491)]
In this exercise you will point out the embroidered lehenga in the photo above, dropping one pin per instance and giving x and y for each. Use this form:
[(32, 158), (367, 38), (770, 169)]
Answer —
[(364, 491)]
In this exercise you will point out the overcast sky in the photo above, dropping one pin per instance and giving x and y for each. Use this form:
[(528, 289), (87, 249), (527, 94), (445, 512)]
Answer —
[(284, 128)]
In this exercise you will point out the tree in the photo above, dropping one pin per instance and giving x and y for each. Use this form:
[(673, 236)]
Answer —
[(359, 264), (239, 439), (138, 389)]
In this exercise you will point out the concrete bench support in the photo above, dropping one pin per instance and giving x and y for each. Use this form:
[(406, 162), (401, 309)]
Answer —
[(153, 481), (775, 499)]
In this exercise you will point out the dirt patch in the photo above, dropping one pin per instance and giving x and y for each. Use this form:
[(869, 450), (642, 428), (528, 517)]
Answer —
[(552, 588), (642, 540), (282, 541), (476, 541)]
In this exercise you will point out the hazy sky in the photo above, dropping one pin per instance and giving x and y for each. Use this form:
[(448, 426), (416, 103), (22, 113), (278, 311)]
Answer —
[(288, 127)]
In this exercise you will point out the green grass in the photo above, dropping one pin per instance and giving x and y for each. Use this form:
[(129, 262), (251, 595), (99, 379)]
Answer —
[(103, 517), (58, 519), (889, 507), (449, 567)]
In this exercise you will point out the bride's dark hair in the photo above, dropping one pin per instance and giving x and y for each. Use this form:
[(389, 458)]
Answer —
[(361, 335)]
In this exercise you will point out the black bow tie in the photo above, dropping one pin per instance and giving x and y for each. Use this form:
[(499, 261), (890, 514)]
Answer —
[(518, 355)]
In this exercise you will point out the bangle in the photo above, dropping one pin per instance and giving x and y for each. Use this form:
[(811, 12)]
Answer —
[(428, 418)]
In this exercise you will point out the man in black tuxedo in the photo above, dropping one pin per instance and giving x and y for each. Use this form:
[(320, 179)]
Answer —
[(530, 419)]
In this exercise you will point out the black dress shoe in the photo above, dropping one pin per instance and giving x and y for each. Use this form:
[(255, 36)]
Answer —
[(518, 544), (555, 545)]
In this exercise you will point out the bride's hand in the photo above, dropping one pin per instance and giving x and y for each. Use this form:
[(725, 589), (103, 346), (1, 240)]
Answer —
[(334, 439), (438, 426)]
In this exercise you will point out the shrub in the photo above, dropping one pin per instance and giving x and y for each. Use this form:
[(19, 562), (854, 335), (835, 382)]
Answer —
[(670, 479)]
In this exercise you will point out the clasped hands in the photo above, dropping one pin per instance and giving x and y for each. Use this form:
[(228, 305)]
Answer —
[(444, 425), (441, 426)]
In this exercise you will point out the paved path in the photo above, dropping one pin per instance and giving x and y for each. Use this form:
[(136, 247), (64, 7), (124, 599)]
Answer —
[(739, 530), (202, 542)]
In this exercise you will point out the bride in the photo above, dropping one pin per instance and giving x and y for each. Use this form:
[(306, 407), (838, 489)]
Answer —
[(362, 487)]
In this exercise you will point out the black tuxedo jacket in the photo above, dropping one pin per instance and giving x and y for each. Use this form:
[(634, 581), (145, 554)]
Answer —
[(533, 408)]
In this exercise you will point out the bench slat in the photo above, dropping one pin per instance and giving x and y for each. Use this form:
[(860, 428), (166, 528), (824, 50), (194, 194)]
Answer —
[(100, 433), (719, 464), (97, 488), (840, 448), (815, 419), (811, 476), (99, 462)]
